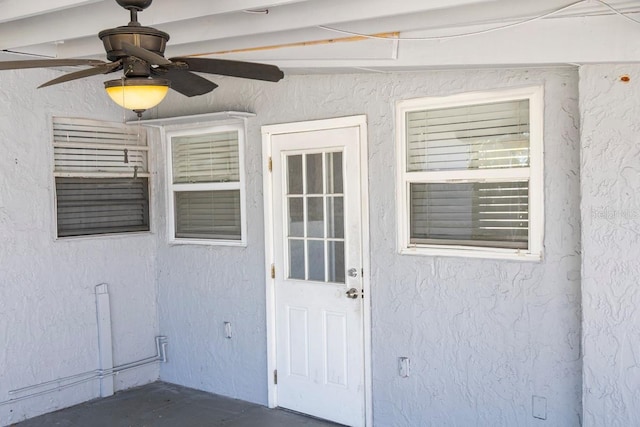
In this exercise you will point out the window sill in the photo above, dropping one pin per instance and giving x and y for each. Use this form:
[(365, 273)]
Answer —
[(205, 242), (471, 252), (103, 236)]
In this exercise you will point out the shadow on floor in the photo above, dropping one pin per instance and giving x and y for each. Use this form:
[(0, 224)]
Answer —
[(168, 405)]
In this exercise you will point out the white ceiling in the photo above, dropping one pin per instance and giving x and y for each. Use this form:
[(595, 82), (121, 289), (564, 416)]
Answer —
[(290, 34)]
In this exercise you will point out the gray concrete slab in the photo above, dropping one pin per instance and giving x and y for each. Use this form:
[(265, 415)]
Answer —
[(168, 405)]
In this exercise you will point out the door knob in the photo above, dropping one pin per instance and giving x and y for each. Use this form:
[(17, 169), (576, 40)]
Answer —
[(352, 272), (353, 293)]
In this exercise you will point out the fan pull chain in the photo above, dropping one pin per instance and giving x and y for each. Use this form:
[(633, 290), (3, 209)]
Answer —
[(139, 126), (124, 111)]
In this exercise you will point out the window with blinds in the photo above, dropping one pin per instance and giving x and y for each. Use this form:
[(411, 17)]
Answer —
[(101, 176), (473, 214), (472, 172), (482, 136), (206, 177)]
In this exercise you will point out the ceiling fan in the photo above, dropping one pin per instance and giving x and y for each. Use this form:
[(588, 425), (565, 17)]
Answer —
[(147, 75)]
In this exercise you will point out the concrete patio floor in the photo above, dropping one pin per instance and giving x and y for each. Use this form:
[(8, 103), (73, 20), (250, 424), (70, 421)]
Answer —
[(168, 405)]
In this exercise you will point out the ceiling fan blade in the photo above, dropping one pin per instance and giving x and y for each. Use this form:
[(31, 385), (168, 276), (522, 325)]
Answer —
[(100, 69), (142, 53), (43, 63), (225, 67), (185, 82)]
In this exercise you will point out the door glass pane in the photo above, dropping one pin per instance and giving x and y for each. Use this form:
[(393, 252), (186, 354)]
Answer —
[(334, 173), (336, 261), (316, 260), (296, 259), (335, 217), (294, 174), (314, 173), (315, 217), (296, 217)]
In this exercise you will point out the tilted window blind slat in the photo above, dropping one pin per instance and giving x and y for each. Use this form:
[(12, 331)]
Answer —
[(101, 205), (201, 171), (99, 160), (202, 164), (483, 136), (106, 138), (205, 140), (102, 156), (92, 131), (462, 131), (474, 214), (212, 157), (469, 115), (208, 214)]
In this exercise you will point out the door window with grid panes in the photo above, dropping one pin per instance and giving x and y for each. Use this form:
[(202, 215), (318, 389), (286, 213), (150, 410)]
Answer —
[(315, 206)]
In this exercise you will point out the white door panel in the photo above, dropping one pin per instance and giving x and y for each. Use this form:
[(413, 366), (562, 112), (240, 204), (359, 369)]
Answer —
[(317, 236)]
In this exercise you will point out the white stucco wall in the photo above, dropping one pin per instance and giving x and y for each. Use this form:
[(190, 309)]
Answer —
[(610, 185), (483, 336), (47, 302)]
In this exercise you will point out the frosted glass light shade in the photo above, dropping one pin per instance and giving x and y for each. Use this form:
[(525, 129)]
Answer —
[(137, 94)]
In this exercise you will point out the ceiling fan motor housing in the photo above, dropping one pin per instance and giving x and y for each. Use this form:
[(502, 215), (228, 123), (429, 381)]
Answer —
[(134, 4), (145, 37)]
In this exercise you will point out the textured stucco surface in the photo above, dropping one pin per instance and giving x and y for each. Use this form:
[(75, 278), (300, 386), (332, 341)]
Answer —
[(483, 335), (610, 185), (47, 303)]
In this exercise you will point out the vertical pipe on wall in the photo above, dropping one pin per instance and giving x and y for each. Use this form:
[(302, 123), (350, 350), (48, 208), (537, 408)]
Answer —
[(105, 345)]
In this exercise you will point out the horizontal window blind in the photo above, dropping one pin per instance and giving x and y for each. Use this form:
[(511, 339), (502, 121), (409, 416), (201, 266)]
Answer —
[(101, 205), (79, 130), (483, 136), (85, 147), (91, 160), (208, 214), (471, 214), (101, 173), (211, 157)]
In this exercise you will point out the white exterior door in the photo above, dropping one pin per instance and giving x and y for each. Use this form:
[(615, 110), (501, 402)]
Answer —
[(317, 255)]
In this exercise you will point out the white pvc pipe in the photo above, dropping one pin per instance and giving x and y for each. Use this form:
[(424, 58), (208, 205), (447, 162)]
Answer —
[(105, 345), (161, 356)]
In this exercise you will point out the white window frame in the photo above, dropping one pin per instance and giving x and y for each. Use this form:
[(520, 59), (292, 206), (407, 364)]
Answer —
[(534, 174), (213, 186), (144, 149)]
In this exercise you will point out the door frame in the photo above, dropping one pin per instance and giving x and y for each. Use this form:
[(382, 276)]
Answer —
[(268, 131)]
